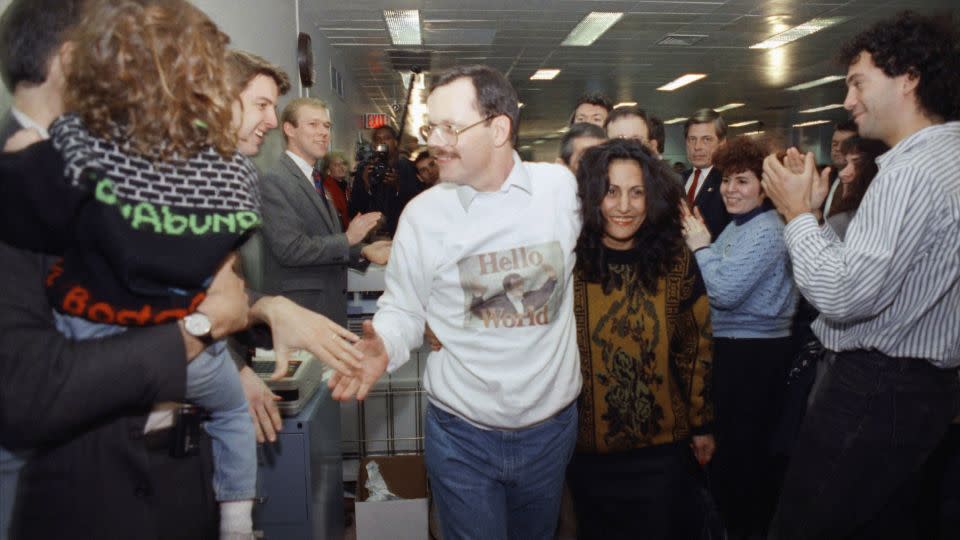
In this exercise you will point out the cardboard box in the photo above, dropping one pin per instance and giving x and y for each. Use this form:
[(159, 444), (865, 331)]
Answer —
[(405, 519)]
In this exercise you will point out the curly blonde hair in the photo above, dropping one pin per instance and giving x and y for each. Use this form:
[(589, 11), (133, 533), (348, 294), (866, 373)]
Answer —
[(149, 74)]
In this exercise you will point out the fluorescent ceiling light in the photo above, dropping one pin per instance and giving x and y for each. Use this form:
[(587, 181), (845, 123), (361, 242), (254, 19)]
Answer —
[(539, 141), (544, 74), (404, 26), (676, 120), (823, 80), (753, 133), (747, 123), (563, 130), (625, 104), (590, 28), (681, 81), (729, 106), (812, 123), (797, 32), (821, 109)]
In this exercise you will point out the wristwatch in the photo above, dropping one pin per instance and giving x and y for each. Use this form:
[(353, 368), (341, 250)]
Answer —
[(198, 325)]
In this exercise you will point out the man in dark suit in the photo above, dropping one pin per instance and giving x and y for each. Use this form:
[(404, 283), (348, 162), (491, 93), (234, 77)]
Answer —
[(704, 131), (31, 56), (307, 251), (843, 131), (34, 76)]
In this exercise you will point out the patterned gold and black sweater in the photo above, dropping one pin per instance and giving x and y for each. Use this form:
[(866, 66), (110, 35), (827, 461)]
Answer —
[(646, 359)]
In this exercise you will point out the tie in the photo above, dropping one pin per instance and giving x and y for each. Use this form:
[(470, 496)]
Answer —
[(692, 192), (318, 183), (322, 191)]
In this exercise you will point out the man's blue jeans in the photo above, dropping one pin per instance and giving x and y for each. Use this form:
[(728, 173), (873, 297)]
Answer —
[(869, 430), (493, 484)]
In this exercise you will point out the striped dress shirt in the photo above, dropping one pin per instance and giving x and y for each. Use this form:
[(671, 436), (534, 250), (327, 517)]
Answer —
[(893, 285)]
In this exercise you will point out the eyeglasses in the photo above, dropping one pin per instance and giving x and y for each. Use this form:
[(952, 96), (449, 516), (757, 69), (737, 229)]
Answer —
[(449, 134)]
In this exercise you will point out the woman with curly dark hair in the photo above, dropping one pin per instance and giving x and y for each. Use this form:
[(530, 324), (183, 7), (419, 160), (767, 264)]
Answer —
[(643, 329), (752, 299), (861, 155)]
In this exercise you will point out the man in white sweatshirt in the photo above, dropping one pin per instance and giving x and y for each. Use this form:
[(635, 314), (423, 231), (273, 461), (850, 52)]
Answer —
[(501, 421)]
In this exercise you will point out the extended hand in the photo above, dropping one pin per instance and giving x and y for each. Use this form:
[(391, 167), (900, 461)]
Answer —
[(296, 327), (377, 252), (263, 405), (374, 364)]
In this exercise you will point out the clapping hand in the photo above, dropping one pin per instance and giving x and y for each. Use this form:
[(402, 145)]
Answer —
[(694, 229), (793, 189)]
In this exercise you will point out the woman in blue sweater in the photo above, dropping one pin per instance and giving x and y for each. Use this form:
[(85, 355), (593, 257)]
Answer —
[(752, 300)]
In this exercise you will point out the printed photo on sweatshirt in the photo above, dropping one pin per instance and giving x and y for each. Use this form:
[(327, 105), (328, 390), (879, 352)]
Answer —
[(512, 288)]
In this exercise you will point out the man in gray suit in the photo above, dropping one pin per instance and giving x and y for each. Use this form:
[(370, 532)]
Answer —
[(307, 249)]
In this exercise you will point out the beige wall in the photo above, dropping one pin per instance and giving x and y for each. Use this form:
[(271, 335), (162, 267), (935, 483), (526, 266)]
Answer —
[(267, 29), (270, 30)]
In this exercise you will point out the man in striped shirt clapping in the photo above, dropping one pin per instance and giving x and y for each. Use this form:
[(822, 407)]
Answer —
[(889, 295)]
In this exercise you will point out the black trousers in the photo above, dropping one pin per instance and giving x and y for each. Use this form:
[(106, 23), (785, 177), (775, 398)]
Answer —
[(113, 483), (856, 468), (182, 493), (749, 377), (938, 514), (648, 493)]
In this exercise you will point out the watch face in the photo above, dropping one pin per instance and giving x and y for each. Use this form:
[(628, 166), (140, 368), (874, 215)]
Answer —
[(197, 324)]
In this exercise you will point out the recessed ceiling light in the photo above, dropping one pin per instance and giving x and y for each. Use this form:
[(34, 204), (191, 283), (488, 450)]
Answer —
[(797, 32), (590, 28), (404, 26), (812, 123), (681, 81), (823, 80), (821, 109), (520, 105), (676, 120), (729, 106), (746, 123), (544, 74), (625, 104)]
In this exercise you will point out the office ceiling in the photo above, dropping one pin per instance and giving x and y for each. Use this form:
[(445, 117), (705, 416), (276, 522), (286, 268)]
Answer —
[(627, 63)]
